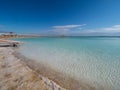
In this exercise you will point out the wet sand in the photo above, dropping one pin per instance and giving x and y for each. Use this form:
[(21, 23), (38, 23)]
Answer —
[(20, 73), (16, 75), (61, 79)]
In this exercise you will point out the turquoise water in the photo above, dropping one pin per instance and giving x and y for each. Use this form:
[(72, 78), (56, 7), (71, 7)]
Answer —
[(95, 60)]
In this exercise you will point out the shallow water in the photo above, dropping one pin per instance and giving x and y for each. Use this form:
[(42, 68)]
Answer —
[(95, 60)]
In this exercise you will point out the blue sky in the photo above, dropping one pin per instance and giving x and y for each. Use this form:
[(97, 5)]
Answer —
[(72, 17)]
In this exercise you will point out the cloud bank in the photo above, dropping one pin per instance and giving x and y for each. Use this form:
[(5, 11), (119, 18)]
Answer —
[(113, 30), (79, 30), (66, 28)]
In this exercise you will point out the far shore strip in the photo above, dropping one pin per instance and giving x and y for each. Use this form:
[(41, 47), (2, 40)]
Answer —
[(10, 41)]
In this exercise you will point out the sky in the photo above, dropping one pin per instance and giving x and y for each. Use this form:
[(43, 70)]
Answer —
[(67, 17)]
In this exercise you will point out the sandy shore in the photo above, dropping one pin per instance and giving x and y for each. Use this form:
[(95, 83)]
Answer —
[(16, 75), (20, 73)]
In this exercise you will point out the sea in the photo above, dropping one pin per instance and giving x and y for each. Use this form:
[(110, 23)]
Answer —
[(95, 60)]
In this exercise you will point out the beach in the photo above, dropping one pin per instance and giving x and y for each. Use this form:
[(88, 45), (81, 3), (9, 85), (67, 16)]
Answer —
[(21, 73), (16, 75), (74, 67), (59, 45), (88, 61)]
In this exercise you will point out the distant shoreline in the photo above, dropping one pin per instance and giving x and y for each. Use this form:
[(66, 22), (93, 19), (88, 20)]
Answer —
[(34, 36)]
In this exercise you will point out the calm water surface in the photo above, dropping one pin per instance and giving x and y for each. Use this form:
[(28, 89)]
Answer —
[(92, 59)]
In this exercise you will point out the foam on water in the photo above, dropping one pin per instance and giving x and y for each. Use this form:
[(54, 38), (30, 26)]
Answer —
[(92, 59)]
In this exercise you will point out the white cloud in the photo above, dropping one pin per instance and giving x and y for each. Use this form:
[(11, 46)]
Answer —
[(68, 26), (113, 29), (64, 29), (78, 30)]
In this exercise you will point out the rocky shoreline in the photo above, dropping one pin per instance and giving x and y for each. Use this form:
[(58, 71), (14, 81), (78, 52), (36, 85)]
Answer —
[(16, 75)]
